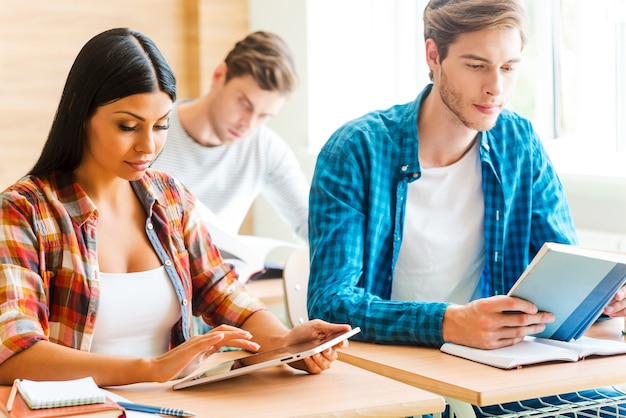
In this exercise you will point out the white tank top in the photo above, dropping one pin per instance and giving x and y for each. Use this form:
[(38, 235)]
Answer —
[(442, 253), (136, 314)]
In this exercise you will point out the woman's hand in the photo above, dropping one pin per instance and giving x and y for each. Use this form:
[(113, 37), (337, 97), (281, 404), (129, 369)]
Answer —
[(187, 357), (316, 329)]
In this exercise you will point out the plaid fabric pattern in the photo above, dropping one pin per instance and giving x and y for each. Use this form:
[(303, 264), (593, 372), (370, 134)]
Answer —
[(49, 285), (357, 209)]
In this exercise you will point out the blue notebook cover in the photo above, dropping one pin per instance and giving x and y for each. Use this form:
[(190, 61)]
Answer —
[(573, 283)]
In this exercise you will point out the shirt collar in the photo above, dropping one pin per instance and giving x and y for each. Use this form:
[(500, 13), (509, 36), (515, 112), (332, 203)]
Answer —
[(80, 207)]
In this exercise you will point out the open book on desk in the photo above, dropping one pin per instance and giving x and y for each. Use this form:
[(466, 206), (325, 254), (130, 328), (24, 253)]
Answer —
[(248, 253), (573, 283), (535, 350)]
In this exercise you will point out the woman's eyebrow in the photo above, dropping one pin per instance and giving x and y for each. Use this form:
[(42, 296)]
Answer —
[(140, 117)]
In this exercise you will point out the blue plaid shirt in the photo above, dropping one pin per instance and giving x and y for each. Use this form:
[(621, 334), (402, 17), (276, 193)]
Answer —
[(357, 209)]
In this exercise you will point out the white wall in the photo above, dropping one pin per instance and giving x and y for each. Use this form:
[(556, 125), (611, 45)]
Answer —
[(598, 206), (287, 18)]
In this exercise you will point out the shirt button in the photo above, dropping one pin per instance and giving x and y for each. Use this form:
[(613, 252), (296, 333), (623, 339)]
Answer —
[(168, 263), (185, 302), (405, 167), (149, 226)]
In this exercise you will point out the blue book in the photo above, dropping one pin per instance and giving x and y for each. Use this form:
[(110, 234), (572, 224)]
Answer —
[(574, 283)]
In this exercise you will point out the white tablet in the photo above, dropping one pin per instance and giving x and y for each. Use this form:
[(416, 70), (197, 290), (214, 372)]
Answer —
[(255, 361)]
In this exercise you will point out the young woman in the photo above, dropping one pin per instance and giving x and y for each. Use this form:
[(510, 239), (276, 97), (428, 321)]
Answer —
[(103, 262)]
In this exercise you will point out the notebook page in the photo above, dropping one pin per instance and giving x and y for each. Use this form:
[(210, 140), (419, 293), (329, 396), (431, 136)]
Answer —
[(52, 394)]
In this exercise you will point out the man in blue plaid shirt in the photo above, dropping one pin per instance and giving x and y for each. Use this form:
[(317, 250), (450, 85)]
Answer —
[(423, 215)]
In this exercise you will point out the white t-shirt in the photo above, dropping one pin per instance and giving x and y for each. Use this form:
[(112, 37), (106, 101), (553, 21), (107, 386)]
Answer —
[(136, 314), (228, 178), (442, 252)]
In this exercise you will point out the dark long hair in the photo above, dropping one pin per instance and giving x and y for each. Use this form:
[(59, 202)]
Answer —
[(112, 65)]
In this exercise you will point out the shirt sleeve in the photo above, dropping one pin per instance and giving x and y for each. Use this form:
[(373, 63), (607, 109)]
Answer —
[(23, 308), (551, 217), (217, 294)]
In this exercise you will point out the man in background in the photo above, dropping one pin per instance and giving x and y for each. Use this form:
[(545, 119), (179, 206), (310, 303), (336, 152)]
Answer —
[(220, 148)]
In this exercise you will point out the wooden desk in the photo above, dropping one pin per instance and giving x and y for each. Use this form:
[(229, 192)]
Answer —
[(343, 390), (481, 385)]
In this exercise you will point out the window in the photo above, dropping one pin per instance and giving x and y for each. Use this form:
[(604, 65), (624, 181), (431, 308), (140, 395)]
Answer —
[(574, 65)]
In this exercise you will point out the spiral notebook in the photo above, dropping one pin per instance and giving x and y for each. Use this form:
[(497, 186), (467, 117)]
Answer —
[(53, 394)]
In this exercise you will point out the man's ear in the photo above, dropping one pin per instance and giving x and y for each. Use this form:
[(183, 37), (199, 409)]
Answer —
[(432, 54), (219, 74)]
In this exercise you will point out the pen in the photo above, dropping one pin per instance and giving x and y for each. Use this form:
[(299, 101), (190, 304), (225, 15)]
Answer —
[(155, 409), (12, 395)]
